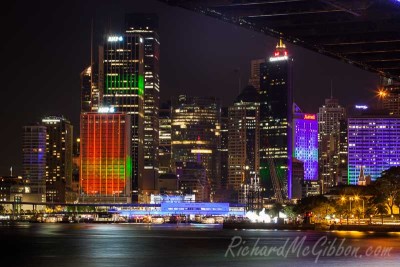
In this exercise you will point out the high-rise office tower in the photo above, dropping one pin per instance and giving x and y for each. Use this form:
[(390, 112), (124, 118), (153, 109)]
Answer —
[(255, 72), (122, 74), (223, 150), (147, 26), (90, 93), (276, 101), (34, 157), (305, 143), (243, 139), (196, 134), (391, 98), (59, 142), (343, 147), (165, 138), (105, 171), (329, 117), (192, 179), (374, 145)]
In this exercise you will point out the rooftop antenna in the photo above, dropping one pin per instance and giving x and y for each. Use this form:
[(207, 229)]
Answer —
[(331, 89), (11, 171), (91, 54)]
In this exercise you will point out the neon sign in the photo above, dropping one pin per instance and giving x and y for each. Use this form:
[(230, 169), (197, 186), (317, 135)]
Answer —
[(106, 110), (115, 38), (282, 58), (361, 107), (309, 116)]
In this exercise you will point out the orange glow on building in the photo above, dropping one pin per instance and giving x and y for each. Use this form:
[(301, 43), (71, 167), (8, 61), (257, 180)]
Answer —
[(105, 154)]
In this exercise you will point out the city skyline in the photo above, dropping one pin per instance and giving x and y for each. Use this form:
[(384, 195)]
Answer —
[(216, 56)]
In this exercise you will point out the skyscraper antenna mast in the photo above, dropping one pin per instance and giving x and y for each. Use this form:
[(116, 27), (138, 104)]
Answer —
[(331, 89), (91, 43)]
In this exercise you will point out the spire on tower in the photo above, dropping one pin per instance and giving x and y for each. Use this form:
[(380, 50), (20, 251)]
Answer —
[(280, 52), (280, 44)]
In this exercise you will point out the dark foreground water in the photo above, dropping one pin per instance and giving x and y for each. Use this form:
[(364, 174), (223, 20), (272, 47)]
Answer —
[(195, 245)]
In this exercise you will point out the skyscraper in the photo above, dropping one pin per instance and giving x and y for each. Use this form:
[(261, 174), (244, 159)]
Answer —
[(329, 117), (374, 145), (147, 26), (196, 134), (276, 101), (105, 170), (34, 157), (243, 138), (122, 74), (255, 72), (223, 150), (305, 143), (343, 154), (165, 138), (90, 93), (59, 142), (391, 98)]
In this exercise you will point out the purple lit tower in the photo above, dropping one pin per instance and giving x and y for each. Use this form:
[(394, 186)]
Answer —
[(305, 142)]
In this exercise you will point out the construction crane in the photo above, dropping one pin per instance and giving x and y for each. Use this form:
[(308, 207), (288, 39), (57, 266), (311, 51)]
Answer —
[(275, 180)]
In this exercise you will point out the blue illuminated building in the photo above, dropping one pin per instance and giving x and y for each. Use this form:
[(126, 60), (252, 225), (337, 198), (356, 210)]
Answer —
[(305, 143), (34, 156), (181, 208), (374, 144)]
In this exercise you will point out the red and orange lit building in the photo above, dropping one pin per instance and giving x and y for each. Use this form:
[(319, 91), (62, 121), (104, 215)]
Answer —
[(105, 173)]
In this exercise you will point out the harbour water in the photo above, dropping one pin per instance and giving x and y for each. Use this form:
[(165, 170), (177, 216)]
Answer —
[(189, 245)]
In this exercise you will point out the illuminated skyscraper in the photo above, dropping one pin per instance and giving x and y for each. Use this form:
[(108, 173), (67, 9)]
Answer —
[(223, 150), (305, 143), (243, 139), (147, 26), (34, 157), (329, 117), (374, 145), (196, 134), (255, 72), (122, 74), (165, 138), (391, 98), (105, 171), (276, 101), (90, 94), (343, 147), (59, 142)]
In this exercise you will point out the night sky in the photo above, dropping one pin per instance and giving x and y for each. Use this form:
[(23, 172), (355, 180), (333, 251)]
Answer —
[(46, 44)]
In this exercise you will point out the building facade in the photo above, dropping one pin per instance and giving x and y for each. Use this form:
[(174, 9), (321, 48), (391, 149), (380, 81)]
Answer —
[(59, 146), (276, 101), (34, 156), (243, 139), (329, 117), (121, 71), (223, 150), (305, 143), (90, 93), (391, 98), (196, 134), (374, 146), (146, 25), (255, 72), (164, 156), (106, 165)]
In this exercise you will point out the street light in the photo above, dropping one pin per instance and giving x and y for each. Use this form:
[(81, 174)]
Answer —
[(344, 199), (358, 198)]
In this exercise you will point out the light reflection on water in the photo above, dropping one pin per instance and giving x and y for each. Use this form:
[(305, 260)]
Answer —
[(175, 245)]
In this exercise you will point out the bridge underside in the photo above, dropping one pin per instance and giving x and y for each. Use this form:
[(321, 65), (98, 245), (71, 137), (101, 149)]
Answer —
[(365, 33)]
